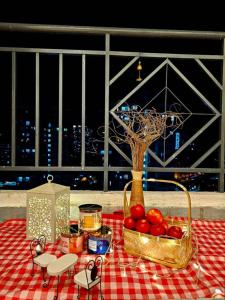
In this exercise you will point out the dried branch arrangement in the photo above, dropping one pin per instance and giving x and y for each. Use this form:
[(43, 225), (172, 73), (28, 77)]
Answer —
[(140, 129)]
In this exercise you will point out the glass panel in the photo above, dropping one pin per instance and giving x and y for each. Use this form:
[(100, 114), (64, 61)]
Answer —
[(192, 181), (5, 114), (75, 180), (49, 95), (25, 109), (198, 147), (116, 159), (117, 180), (95, 105), (72, 82), (80, 180)]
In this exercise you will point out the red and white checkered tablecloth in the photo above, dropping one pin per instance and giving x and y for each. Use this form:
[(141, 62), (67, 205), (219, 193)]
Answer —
[(146, 280)]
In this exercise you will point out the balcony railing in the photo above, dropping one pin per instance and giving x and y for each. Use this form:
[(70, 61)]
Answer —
[(205, 58)]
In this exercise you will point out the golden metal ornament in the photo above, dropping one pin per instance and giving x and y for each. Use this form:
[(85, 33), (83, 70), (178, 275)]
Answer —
[(174, 253), (139, 69)]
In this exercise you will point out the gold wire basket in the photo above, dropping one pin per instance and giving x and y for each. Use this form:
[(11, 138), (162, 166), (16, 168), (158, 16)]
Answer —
[(174, 253)]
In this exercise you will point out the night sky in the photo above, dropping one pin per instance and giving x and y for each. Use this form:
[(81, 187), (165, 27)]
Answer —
[(182, 15)]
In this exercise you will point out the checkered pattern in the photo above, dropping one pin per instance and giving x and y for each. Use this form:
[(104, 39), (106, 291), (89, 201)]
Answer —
[(121, 279)]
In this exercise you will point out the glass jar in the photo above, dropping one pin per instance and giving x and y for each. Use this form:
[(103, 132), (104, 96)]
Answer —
[(90, 217), (72, 242), (99, 242)]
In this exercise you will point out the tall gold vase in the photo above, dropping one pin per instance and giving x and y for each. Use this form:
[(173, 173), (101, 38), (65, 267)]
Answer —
[(137, 196), (138, 152)]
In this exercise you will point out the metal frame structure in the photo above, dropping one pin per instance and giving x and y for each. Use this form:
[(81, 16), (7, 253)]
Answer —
[(107, 53)]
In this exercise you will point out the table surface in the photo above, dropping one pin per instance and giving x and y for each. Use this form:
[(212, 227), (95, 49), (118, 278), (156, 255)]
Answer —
[(123, 278)]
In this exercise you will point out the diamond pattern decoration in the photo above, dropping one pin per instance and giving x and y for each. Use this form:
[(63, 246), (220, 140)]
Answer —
[(167, 99), (177, 106)]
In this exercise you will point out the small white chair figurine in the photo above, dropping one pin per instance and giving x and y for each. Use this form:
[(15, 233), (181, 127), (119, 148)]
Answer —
[(90, 276), (37, 248), (61, 265)]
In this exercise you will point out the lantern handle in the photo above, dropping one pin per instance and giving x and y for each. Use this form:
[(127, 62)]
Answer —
[(50, 178)]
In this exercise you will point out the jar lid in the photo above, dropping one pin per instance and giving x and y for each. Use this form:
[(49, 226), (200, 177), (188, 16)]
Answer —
[(104, 231), (90, 207)]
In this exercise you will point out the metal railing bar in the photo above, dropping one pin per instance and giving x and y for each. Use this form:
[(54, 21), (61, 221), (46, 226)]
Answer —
[(106, 129), (113, 53), (60, 109), (190, 140), (197, 92), (169, 170), (222, 129), (52, 51), (139, 85), (167, 55), (68, 29), (177, 113), (153, 98), (120, 152), (155, 157), (204, 68), (83, 107), (206, 154), (13, 113), (123, 70), (37, 109), (42, 28), (175, 96), (110, 168)]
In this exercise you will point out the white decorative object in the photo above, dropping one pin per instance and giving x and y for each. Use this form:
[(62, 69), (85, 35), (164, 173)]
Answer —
[(62, 264), (37, 248), (90, 276), (48, 210)]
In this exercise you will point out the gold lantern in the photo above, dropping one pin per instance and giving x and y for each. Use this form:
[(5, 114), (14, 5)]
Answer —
[(48, 210), (139, 69)]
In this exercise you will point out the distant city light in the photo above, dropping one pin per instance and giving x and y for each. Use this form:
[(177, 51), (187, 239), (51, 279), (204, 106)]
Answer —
[(125, 108), (177, 140), (102, 152)]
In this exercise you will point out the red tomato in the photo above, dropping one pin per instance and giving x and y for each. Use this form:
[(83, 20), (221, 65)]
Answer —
[(165, 225), (157, 229), (143, 226), (154, 216), (137, 211), (129, 223), (175, 231)]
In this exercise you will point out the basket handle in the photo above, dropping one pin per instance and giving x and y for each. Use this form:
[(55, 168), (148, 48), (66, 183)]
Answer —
[(126, 205)]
